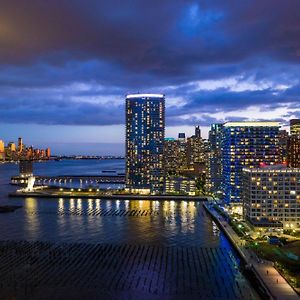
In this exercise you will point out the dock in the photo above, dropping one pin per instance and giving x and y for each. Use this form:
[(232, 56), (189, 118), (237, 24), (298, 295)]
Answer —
[(116, 178)]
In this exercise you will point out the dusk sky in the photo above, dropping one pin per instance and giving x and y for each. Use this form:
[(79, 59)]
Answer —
[(66, 66)]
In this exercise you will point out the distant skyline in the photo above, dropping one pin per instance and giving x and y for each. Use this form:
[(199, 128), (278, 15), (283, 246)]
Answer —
[(66, 66)]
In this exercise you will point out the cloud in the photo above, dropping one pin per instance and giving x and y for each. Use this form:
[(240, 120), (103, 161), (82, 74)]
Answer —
[(72, 62)]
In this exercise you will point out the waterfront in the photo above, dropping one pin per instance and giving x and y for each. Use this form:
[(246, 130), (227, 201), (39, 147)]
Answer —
[(163, 250)]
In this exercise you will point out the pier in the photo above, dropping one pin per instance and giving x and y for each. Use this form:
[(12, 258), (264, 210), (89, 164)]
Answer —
[(40, 179)]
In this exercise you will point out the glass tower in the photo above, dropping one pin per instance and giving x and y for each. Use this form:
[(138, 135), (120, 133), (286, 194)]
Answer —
[(145, 132), (246, 144)]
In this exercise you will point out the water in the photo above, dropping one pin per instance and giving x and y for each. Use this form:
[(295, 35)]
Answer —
[(171, 249)]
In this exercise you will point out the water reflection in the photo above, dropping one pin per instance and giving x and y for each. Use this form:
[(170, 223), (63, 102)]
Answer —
[(94, 220), (32, 221)]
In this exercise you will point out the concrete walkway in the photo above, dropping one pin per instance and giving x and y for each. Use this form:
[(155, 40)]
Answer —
[(277, 287)]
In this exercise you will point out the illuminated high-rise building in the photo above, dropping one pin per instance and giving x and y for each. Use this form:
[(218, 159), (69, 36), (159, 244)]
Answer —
[(215, 158), (48, 152), (197, 132), (196, 151), (145, 132), (294, 144), (283, 145), (171, 156), (20, 145), (11, 146), (295, 126), (2, 150), (246, 144)]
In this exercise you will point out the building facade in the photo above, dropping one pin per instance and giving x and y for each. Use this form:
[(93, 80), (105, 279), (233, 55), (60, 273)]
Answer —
[(246, 144), (215, 158), (271, 196), (180, 185), (171, 156), (294, 144), (145, 132), (26, 168), (2, 150)]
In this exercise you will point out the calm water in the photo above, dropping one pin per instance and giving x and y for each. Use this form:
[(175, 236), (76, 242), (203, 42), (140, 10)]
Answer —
[(146, 223)]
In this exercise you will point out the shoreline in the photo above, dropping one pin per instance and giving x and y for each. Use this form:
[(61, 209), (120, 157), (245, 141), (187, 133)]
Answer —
[(273, 284), (114, 196)]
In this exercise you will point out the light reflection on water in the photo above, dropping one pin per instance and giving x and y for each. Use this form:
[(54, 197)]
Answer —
[(166, 223), (95, 220)]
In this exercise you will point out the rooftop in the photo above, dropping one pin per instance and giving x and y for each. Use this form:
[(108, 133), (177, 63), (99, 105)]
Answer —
[(252, 124), (131, 96)]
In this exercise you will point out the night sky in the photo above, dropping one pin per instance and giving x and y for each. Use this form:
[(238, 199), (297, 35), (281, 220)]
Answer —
[(65, 66)]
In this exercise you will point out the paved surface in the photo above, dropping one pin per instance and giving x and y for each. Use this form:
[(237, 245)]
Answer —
[(277, 286)]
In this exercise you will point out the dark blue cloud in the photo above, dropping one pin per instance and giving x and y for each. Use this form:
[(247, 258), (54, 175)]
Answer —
[(72, 62)]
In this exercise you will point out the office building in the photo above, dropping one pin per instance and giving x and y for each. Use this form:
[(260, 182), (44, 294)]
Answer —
[(26, 168), (171, 156), (294, 144), (196, 150), (145, 130), (11, 147), (180, 185), (2, 150), (48, 152), (215, 159), (182, 159), (197, 132), (283, 145), (246, 144), (20, 145), (271, 196), (295, 126)]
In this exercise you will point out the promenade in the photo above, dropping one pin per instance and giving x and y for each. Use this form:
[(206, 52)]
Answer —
[(98, 195), (276, 286)]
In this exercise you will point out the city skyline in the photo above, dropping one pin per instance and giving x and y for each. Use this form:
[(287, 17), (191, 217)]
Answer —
[(63, 85)]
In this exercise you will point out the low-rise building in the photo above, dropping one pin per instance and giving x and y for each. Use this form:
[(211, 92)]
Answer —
[(180, 185), (271, 196)]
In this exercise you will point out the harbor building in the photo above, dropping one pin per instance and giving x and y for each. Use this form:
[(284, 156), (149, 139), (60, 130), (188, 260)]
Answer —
[(271, 196), (246, 144), (145, 132)]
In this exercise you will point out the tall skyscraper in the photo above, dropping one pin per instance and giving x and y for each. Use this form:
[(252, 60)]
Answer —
[(215, 158), (171, 156), (145, 132), (294, 144), (246, 144), (197, 132), (295, 126), (11, 146), (48, 152), (20, 145), (283, 144), (2, 150)]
